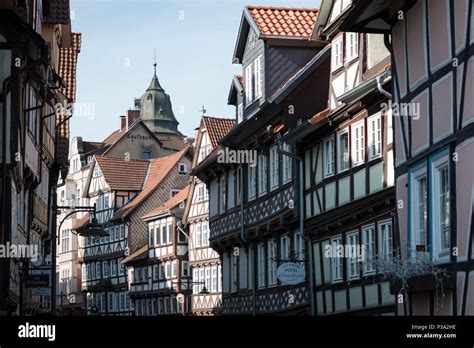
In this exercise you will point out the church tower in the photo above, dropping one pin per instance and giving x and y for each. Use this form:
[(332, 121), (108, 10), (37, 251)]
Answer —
[(156, 110)]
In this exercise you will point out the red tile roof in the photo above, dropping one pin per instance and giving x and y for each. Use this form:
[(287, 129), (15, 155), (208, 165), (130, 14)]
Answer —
[(217, 128), (82, 222), (123, 175), (159, 169), (173, 202), (88, 146), (68, 65), (113, 137), (171, 141), (284, 21), (138, 254), (319, 117)]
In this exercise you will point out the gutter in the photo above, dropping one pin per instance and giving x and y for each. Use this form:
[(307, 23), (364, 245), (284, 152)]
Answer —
[(365, 88)]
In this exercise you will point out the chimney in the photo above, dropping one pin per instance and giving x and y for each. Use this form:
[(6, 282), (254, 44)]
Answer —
[(132, 115), (123, 122)]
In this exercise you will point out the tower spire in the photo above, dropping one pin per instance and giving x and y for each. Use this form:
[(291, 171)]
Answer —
[(154, 59)]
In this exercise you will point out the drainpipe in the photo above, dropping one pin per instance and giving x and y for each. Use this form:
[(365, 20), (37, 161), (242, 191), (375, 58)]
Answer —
[(380, 88), (301, 220)]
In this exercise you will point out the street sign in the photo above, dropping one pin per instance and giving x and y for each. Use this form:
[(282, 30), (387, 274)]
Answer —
[(37, 280), (291, 273), (41, 291)]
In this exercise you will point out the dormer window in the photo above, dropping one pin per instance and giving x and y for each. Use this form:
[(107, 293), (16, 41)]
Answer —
[(182, 168), (253, 81)]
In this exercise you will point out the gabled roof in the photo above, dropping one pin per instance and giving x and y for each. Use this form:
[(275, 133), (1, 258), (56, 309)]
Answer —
[(159, 169), (123, 133), (268, 22), (217, 128), (235, 88), (113, 137), (89, 146), (172, 203), (171, 141), (283, 21), (121, 174), (137, 255)]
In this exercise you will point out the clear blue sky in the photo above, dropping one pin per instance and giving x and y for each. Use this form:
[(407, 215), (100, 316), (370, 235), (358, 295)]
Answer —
[(194, 43)]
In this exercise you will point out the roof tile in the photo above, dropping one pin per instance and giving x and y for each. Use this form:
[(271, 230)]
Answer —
[(284, 21), (121, 174), (217, 128)]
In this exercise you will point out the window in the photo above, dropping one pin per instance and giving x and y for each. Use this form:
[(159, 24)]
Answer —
[(336, 261), (250, 267), (274, 167), (205, 233), (285, 248), (78, 200), (374, 129), (200, 192), (113, 268), (181, 236), (385, 240), (195, 280), (352, 45), (299, 248), (161, 271), (111, 302), (248, 85), (257, 65), (150, 237), (287, 164), (170, 233), (182, 168), (358, 147), (420, 212), (157, 236), (174, 269), (65, 241), (117, 232), (168, 270), (368, 240), (262, 174), (328, 157), (234, 264), (240, 112), (185, 270), (252, 171), (174, 192), (343, 150), (441, 211), (353, 257), (198, 235), (272, 263), (207, 281), (146, 155), (163, 235), (214, 280), (336, 53), (223, 194), (155, 272), (261, 265), (98, 271)]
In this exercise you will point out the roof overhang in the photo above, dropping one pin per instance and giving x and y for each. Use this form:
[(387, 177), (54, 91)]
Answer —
[(235, 87), (245, 24), (365, 88), (373, 16)]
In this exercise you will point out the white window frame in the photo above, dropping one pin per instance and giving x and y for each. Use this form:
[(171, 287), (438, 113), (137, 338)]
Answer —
[(262, 174), (337, 267), (368, 241), (343, 157), (287, 164), (252, 182), (223, 194), (440, 255), (352, 259), (274, 168), (299, 248), (198, 235), (328, 145), (257, 77), (337, 56), (352, 46), (415, 231), (272, 263), (261, 259), (358, 152), (385, 239), (374, 141), (205, 233), (284, 247), (248, 85), (240, 112)]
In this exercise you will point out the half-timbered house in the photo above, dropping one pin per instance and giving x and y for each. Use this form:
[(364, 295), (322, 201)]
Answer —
[(158, 273), (204, 261), (349, 179), (123, 191), (431, 44), (253, 213), (35, 78)]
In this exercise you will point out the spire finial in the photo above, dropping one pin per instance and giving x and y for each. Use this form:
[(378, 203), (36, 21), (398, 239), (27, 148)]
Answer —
[(154, 59), (203, 110)]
